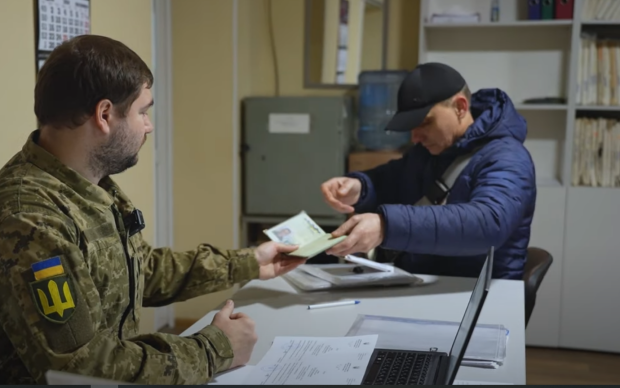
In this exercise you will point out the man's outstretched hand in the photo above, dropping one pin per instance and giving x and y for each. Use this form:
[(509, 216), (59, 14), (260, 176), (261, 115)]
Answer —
[(342, 193), (364, 232), (274, 262)]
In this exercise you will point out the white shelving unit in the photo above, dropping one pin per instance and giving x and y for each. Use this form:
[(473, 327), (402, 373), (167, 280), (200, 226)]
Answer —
[(578, 304)]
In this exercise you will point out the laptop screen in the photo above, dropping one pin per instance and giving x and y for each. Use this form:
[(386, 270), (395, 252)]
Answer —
[(470, 317)]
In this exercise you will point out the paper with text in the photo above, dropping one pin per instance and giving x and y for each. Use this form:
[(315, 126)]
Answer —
[(314, 361), (296, 123), (466, 382)]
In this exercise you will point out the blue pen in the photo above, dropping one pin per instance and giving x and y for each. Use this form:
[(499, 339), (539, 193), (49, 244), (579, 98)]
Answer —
[(333, 304)]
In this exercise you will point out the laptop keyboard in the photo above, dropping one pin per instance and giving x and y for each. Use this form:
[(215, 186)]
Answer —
[(398, 368)]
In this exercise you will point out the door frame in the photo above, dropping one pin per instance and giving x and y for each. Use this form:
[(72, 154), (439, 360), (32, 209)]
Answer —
[(163, 160)]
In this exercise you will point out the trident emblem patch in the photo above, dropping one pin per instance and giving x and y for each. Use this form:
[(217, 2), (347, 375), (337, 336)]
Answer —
[(54, 298)]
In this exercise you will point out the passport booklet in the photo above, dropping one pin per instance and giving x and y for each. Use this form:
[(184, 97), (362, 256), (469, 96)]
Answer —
[(301, 230)]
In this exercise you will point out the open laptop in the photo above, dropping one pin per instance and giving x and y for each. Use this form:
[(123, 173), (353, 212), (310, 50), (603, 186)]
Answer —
[(412, 367)]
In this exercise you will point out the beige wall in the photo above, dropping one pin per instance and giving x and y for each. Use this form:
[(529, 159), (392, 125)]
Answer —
[(17, 77), (203, 105), (202, 118), (257, 72), (288, 28), (403, 33), (372, 39), (203, 109)]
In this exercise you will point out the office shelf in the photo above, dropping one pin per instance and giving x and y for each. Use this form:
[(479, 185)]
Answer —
[(602, 108), (516, 23), (548, 182), (561, 107), (601, 23), (575, 224)]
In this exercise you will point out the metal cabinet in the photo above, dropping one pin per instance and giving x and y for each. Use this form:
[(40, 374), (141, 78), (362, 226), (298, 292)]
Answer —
[(290, 146)]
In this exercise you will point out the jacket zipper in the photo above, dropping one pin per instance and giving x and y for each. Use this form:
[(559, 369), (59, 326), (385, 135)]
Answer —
[(130, 269)]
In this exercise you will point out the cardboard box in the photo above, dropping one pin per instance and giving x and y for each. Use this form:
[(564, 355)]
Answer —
[(365, 160)]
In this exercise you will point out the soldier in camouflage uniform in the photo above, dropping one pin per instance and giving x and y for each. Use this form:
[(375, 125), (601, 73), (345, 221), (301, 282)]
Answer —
[(74, 268)]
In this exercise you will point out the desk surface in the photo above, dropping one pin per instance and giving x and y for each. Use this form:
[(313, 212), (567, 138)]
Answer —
[(279, 309)]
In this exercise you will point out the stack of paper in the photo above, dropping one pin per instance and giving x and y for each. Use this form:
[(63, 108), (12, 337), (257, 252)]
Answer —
[(486, 349), (600, 10), (598, 82), (596, 152), (314, 361)]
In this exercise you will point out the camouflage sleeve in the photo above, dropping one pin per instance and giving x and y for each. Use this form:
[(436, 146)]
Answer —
[(177, 276), (67, 329)]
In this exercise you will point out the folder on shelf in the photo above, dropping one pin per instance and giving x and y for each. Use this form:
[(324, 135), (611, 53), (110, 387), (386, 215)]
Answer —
[(534, 10), (546, 10), (564, 9)]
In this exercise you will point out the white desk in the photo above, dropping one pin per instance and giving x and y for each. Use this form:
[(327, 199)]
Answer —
[(279, 309)]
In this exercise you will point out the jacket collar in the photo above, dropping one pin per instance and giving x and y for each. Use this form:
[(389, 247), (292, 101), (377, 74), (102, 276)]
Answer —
[(35, 154)]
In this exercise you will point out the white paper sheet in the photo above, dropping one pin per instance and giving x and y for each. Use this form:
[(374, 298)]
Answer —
[(314, 361), (235, 376), (466, 382), (64, 378), (486, 349), (289, 123)]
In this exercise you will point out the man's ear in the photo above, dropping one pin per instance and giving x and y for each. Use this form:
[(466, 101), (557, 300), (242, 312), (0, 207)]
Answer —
[(103, 115), (461, 105)]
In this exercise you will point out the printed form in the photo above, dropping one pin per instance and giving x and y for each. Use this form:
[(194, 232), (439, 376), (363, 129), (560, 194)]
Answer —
[(314, 361)]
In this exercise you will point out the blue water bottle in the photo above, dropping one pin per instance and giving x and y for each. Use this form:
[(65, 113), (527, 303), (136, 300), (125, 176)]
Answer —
[(378, 98)]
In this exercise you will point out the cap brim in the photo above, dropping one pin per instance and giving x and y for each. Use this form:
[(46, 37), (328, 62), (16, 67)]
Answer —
[(406, 121)]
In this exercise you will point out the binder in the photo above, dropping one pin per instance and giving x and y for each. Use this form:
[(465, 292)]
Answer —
[(546, 10), (534, 9), (564, 9)]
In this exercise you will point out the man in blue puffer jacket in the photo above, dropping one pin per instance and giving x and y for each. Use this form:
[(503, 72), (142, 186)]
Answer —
[(490, 204)]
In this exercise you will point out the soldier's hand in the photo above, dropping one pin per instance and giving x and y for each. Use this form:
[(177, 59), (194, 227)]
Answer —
[(342, 193), (273, 261), (239, 329)]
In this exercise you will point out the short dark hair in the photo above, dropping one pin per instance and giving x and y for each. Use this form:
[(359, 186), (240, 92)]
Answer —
[(81, 72), (465, 91)]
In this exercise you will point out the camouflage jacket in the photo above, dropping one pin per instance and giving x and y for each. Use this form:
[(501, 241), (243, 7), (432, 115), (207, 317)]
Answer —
[(73, 279)]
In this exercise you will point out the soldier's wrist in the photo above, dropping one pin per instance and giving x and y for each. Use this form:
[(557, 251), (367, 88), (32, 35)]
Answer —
[(220, 347), (244, 265)]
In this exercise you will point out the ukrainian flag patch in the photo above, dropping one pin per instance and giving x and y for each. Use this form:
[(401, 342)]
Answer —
[(47, 268)]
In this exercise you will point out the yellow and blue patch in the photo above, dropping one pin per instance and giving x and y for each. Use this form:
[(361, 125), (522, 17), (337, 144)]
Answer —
[(53, 290), (47, 268)]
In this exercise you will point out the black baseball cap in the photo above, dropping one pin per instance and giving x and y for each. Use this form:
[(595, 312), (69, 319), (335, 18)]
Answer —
[(425, 86)]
